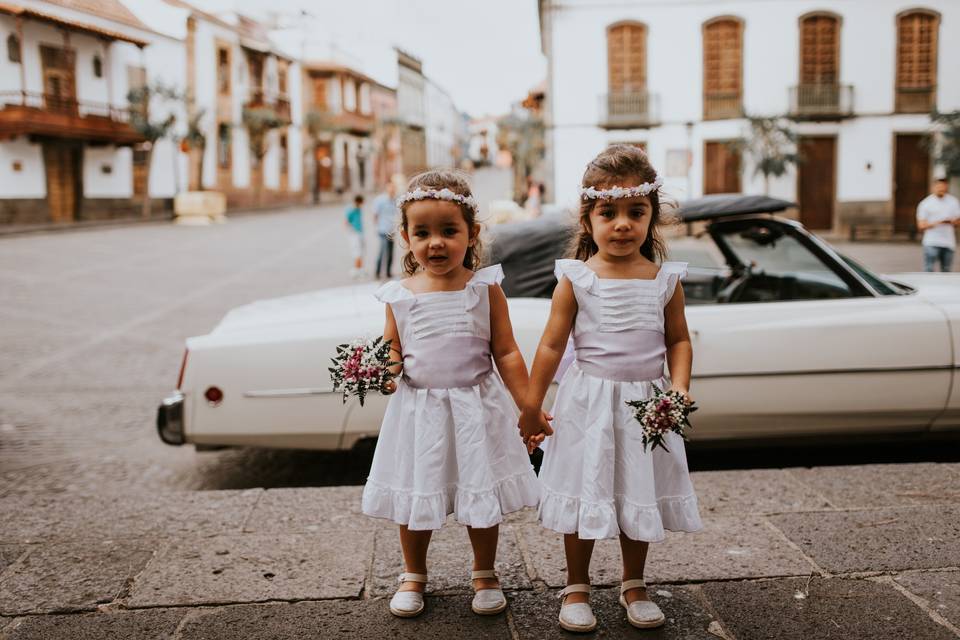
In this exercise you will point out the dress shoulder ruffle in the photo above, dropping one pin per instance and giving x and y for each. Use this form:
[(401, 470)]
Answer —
[(393, 291), (670, 273), (579, 274)]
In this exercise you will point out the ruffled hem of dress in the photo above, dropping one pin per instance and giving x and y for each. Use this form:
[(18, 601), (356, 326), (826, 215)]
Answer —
[(601, 520), (428, 511)]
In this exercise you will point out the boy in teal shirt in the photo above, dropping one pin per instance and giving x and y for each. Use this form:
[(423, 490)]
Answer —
[(354, 224)]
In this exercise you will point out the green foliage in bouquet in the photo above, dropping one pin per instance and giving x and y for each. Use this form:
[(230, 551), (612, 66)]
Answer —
[(361, 366)]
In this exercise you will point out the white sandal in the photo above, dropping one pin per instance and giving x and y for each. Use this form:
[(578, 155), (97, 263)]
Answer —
[(577, 616), (488, 602), (407, 604), (643, 614)]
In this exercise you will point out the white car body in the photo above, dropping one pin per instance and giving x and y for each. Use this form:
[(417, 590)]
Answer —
[(797, 368), (868, 363)]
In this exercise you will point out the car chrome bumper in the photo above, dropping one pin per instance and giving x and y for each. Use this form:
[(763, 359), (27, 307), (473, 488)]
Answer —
[(170, 419)]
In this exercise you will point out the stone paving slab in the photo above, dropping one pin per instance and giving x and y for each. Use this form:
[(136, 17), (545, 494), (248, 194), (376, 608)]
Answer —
[(941, 590), (830, 609), (70, 576), (449, 561), (188, 514), (152, 624), (891, 539), (883, 485), (535, 615), (9, 554), (255, 568), (309, 511), (758, 491), (444, 617), (726, 547)]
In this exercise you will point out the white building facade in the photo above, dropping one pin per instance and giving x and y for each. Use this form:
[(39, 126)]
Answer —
[(857, 80), (444, 125)]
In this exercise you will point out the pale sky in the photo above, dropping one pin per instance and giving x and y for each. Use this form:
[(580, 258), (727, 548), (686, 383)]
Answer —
[(484, 53)]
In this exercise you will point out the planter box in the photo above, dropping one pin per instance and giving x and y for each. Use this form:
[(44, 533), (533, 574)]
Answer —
[(200, 207)]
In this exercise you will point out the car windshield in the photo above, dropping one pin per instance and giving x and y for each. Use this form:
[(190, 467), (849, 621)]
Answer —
[(882, 286)]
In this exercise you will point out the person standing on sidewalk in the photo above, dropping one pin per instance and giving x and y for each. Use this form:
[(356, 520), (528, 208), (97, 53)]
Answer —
[(354, 224), (385, 213), (937, 215)]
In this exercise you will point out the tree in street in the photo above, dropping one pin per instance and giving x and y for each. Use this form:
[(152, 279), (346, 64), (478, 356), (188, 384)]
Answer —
[(259, 121), (140, 100), (946, 141), (771, 145)]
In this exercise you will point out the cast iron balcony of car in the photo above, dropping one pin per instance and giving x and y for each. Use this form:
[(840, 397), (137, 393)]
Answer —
[(821, 101), (629, 110)]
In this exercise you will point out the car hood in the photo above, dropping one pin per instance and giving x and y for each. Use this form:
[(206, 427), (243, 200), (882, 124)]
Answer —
[(931, 286)]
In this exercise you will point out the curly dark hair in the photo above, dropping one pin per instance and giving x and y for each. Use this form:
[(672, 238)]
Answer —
[(457, 182), (619, 165)]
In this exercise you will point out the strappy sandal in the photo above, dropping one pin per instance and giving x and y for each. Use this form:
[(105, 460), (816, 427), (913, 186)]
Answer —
[(407, 604), (643, 614), (577, 616), (488, 602)]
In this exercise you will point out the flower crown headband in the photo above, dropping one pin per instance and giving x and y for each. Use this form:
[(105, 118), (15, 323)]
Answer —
[(437, 194), (614, 193)]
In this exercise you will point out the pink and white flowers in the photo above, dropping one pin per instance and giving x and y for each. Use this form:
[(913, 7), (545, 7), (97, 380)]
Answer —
[(361, 366), (664, 412)]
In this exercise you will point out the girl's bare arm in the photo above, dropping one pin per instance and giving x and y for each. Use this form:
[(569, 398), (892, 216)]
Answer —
[(563, 310), (391, 333), (677, 337), (506, 353)]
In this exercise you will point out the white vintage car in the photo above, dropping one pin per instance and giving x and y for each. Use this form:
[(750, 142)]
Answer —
[(789, 337)]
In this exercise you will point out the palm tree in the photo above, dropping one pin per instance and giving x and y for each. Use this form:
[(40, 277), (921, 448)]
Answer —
[(771, 145), (152, 130), (259, 122), (946, 141)]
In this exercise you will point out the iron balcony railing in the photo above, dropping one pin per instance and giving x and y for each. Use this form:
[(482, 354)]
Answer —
[(719, 106), (916, 98), (629, 109), (821, 100)]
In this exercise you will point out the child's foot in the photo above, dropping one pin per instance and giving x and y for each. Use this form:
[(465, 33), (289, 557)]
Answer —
[(407, 602), (575, 611), (489, 598), (641, 612)]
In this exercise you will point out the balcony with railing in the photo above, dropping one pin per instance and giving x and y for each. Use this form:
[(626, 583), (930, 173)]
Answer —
[(257, 98), (57, 116), (916, 98), (721, 106), (629, 110), (821, 101)]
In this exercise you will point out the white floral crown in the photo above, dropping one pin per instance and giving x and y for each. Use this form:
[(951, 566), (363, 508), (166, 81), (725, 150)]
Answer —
[(437, 194), (613, 193)]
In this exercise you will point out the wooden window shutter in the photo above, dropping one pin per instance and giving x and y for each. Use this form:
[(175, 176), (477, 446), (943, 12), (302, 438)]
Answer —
[(723, 67), (916, 61), (819, 50), (626, 58)]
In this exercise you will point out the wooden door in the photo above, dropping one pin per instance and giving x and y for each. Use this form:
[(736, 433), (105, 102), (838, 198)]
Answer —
[(62, 166), (346, 166), (324, 163), (59, 80), (911, 179), (140, 176), (721, 172), (816, 181)]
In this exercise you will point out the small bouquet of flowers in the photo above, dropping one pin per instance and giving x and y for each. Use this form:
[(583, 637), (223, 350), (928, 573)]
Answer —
[(666, 411), (361, 366)]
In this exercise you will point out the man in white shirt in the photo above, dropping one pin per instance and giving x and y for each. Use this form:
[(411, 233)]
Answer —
[(937, 216)]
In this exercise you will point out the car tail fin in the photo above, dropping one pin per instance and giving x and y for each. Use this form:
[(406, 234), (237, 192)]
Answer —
[(183, 367)]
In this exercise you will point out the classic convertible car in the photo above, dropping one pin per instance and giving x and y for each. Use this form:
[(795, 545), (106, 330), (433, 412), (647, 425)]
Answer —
[(790, 338)]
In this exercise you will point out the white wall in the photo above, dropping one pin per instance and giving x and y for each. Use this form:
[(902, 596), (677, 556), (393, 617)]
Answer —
[(118, 183), (577, 40), (30, 181)]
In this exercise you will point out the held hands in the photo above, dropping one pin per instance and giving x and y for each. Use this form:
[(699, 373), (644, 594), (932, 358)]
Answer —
[(534, 427), (684, 392), (389, 387)]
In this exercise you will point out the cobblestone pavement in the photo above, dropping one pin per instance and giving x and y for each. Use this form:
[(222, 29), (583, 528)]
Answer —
[(92, 325), (848, 553)]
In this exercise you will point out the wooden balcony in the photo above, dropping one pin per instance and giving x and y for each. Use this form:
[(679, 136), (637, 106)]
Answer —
[(821, 101), (257, 98), (721, 106), (916, 99), (629, 110), (38, 114)]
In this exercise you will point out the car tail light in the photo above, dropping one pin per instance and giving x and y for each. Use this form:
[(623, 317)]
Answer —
[(183, 367), (213, 395)]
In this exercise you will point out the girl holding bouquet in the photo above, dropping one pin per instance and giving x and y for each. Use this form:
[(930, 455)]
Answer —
[(449, 442), (627, 318)]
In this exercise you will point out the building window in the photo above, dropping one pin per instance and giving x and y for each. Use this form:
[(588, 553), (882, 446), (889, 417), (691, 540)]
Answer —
[(349, 95), (916, 61), (223, 70), (627, 57), (97, 66), (282, 80), (819, 89), (223, 145), (13, 48), (723, 68), (283, 153)]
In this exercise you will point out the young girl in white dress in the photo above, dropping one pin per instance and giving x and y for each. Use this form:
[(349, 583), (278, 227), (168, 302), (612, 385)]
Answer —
[(449, 440), (626, 314)]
